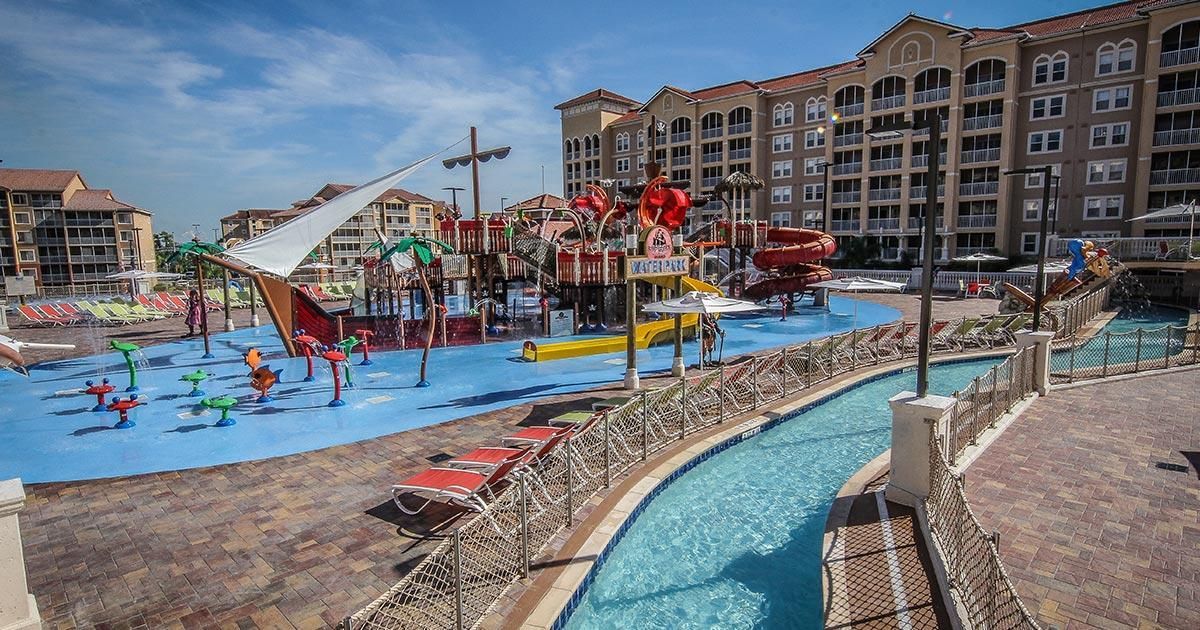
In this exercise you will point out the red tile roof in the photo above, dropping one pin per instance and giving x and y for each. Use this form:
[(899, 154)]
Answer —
[(807, 77), (1059, 24), (95, 199), (252, 213), (387, 195), (597, 94), (37, 179), (630, 117), (729, 89)]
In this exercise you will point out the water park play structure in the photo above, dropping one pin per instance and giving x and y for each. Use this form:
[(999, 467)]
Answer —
[(222, 404), (1089, 265), (195, 379), (127, 349), (123, 407), (262, 379)]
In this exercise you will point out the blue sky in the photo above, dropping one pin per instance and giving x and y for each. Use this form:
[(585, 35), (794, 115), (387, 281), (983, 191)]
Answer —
[(194, 110)]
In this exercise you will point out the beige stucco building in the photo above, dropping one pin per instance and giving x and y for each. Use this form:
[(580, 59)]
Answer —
[(1109, 97)]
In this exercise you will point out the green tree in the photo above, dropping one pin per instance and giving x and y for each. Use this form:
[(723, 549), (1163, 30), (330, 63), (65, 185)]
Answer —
[(860, 250), (164, 247)]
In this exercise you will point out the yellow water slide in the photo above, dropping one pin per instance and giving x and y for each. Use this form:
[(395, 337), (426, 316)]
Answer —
[(646, 334)]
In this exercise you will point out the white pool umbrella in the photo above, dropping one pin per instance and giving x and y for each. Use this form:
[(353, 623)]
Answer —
[(1052, 266), (978, 259), (702, 303), (1178, 210), (317, 265), (139, 274), (858, 284)]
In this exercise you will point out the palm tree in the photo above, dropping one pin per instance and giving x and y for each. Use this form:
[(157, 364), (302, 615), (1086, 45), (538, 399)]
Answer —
[(860, 250), (422, 255), (736, 185), (196, 249)]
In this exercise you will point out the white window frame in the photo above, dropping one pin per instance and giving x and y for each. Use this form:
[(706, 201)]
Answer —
[(781, 168), (20, 199), (1049, 61), (814, 139), (782, 143), (622, 142), (816, 109), (781, 195), (1106, 171), (32, 257), (1103, 207), (814, 192), (812, 217), (781, 219), (1047, 99), (783, 114), (17, 218), (623, 165), (1034, 180), (1045, 134), (1112, 99), (124, 218), (1116, 50), (1108, 135), (1101, 234), (811, 166), (1036, 243), (641, 139), (641, 163)]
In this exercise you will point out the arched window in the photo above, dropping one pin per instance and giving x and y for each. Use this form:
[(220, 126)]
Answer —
[(816, 109), (931, 85), (595, 144), (575, 142), (1115, 58), (641, 139), (784, 114), (1180, 44), (622, 142), (741, 120), (1049, 69), (888, 92), (848, 101), (587, 146), (711, 125), (681, 129), (566, 149)]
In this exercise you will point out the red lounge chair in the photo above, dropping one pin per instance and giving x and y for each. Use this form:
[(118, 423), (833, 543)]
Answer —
[(69, 309), (489, 457), (321, 294), (466, 488), (538, 435), (52, 312), (37, 317)]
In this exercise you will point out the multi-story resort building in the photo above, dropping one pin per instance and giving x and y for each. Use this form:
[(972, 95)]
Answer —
[(398, 212), (57, 230), (1108, 97)]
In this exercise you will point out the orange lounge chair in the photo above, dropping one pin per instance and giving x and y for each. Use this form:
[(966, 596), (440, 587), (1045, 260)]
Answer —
[(466, 488), (488, 457), (37, 317)]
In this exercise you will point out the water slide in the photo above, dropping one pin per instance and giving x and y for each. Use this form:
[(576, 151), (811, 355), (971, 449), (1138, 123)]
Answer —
[(645, 335), (791, 265)]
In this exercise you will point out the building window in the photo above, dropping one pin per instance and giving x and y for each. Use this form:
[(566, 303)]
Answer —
[(1110, 135), (1106, 171), (814, 192), (1045, 107), (27, 255), (1029, 242), (623, 165), (813, 218), (784, 114), (815, 109), (813, 139), (812, 166), (124, 218), (20, 218), (782, 168), (1103, 207), (1045, 141), (1034, 180), (1033, 209), (781, 194), (781, 143), (1112, 99), (622, 142), (641, 163), (1049, 69), (641, 139), (126, 236), (1115, 58), (20, 199), (781, 219)]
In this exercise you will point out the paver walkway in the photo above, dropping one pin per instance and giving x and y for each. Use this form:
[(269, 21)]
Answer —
[(1092, 532)]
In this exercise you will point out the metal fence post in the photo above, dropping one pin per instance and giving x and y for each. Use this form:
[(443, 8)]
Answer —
[(607, 452), (1195, 344), (1074, 340), (854, 349), (1137, 356), (786, 366), (1107, 344), (754, 379), (645, 427), (808, 367), (523, 491), (992, 401), (974, 410), (458, 580), (682, 407), (1012, 382), (570, 479), (721, 395)]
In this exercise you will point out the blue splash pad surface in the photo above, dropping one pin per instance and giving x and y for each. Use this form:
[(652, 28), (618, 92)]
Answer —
[(51, 434)]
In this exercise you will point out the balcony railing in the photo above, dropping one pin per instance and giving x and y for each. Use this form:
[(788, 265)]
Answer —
[(844, 225), (709, 182), (931, 95), (976, 220), (715, 132), (1179, 57), (683, 136), (851, 109), (890, 253), (683, 160), (1186, 96), (976, 123), (846, 168), (978, 188), (887, 164), (709, 158), (739, 154), (919, 192), (887, 102), (945, 125), (848, 139), (981, 155), (1177, 136), (983, 88), (851, 196), (883, 194), (922, 159), (1175, 176), (878, 225), (914, 223), (739, 128)]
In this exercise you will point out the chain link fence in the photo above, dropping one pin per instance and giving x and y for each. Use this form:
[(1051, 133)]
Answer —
[(1113, 353), (986, 399)]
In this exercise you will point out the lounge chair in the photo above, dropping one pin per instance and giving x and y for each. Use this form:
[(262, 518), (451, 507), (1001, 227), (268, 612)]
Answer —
[(946, 338), (51, 312), (1008, 334), (321, 294), (69, 310), (118, 308), (489, 457), (37, 318), (105, 316), (456, 486), (984, 333)]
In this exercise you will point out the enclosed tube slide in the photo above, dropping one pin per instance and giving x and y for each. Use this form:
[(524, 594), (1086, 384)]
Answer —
[(790, 266)]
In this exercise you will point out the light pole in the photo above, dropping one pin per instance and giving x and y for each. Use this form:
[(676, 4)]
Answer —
[(453, 197), (502, 201), (825, 203), (1039, 282), (933, 122)]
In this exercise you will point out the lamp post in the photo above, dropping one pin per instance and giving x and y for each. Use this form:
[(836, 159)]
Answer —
[(1039, 282), (933, 122), (502, 201), (453, 196), (825, 203)]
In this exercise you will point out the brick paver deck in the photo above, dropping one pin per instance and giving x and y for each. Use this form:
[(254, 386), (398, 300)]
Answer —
[(291, 541), (1091, 531)]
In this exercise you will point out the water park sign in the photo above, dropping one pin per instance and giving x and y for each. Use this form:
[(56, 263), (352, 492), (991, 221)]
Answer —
[(645, 267), (658, 243)]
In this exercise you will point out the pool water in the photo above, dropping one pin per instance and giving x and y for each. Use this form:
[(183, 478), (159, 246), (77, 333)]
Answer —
[(50, 434), (736, 541), (1124, 347)]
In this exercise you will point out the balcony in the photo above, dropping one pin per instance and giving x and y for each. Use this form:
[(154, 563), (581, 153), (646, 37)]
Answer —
[(851, 109), (1177, 136), (683, 136), (883, 194), (962, 250), (882, 225), (976, 220), (846, 168), (983, 88), (1175, 176), (1179, 57), (709, 158), (848, 139), (919, 192), (887, 164), (844, 225), (922, 160), (887, 102), (591, 153), (1186, 96), (739, 154), (739, 128), (851, 196), (925, 132), (683, 160), (975, 123), (914, 223), (931, 95), (709, 182), (975, 189), (890, 253), (981, 155), (715, 132)]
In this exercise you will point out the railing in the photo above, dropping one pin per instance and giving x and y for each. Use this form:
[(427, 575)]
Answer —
[(844, 225), (739, 128), (975, 123), (739, 154), (883, 194), (852, 196), (715, 132), (914, 223), (846, 168), (924, 131), (874, 274), (1072, 316), (684, 136), (922, 160), (980, 404), (1133, 248), (460, 581), (1177, 136), (852, 109), (883, 224), (847, 139), (920, 192), (931, 95), (887, 164), (1179, 57), (887, 102), (1175, 176), (682, 160), (1185, 96), (981, 155), (978, 581), (1112, 354), (976, 220), (709, 182), (983, 88), (978, 188), (709, 158)]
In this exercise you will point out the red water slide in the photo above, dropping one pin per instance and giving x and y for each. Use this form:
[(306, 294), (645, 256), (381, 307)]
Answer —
[(790, 266)]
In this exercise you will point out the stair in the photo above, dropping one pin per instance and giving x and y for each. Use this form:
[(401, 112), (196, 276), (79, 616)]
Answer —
[(540, 255)]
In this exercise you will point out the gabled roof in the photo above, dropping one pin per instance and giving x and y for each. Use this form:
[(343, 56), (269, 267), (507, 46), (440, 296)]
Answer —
[(37, 179), (689, 96), (542, 201), (600, 93), (627, 118), (911, 17), (329, 191), (807, 77), (729, 89), (1070, 22), (95, 199), (252, 213)]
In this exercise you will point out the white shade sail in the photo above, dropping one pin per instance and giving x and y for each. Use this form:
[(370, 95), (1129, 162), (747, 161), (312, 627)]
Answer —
[(701, 302), (280, 249), (858, 283), (1177, 210)]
